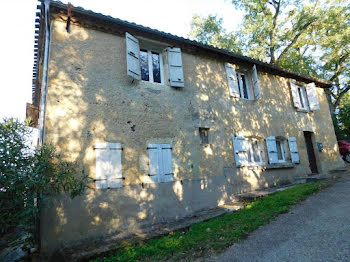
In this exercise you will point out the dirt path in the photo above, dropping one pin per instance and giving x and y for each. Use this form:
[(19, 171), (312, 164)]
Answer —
[(318, 229)]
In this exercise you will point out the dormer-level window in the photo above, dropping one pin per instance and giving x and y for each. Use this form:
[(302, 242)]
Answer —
[(147, 63), (151, 66), (304, 96), (243, 83)]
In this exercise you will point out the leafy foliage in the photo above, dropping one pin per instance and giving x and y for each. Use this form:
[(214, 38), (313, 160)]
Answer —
[(311, 37), (28, 176), (209, 31)]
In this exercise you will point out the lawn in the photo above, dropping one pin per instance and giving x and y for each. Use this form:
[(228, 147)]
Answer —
[(215, 234)]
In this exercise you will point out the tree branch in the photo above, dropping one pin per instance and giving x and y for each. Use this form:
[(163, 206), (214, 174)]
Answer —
[(295, 39), (341, 94), (273, 29)]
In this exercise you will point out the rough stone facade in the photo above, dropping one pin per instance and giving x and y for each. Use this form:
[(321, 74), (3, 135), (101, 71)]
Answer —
[(91, 99)]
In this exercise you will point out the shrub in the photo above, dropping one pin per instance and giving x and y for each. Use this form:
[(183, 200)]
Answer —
[(28, 177)]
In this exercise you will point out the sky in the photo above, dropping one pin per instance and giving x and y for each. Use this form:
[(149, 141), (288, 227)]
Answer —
[(17, 28)]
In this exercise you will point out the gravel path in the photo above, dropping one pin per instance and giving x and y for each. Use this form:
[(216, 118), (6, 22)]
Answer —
[(318, 229)]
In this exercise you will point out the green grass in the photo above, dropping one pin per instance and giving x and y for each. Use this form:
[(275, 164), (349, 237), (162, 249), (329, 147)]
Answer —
[(215, 234)]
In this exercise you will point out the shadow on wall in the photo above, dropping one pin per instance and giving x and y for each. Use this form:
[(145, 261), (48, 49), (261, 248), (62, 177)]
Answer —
[(90, 99)]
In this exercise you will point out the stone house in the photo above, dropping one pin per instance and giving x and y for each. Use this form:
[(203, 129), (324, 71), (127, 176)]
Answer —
[(165, 126)]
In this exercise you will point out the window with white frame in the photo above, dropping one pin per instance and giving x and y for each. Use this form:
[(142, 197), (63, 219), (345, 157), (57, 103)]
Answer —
[(243, 83), (247, 151), (304, 103), (254, 151), (280, 144), (151, 66), (147, 63), (281, 150), (304, 96)]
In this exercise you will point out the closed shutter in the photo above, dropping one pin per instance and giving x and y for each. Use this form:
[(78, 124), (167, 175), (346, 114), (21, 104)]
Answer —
[(108, 165), (232, 80), (272, 149), (312, 96), (166, 173), (240, 148), (133, 56), (256, 83), (153, 156), (295, 95), (176, 75), (292, 142)]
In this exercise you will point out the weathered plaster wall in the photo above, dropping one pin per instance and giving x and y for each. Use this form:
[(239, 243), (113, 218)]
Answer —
[(90, 99)]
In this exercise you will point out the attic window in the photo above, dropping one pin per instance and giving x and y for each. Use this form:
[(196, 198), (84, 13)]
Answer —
[(204, 135), (151, 65)]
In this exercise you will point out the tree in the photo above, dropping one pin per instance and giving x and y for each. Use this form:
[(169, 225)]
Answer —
[(310, 37), (209, 31), (28, 177)]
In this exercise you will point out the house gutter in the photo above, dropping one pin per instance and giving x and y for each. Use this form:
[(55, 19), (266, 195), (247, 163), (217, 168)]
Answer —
[(44, 85)]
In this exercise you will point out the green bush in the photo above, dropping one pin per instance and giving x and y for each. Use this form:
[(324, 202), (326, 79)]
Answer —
[(28, 177)]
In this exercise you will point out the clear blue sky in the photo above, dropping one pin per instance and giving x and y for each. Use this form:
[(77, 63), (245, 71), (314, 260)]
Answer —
[(17, 27)]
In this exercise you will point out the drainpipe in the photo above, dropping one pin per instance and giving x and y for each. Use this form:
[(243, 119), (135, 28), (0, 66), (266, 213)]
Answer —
[(42, 107)]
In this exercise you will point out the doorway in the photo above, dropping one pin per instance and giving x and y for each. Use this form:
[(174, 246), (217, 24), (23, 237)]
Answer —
[(310, 152)]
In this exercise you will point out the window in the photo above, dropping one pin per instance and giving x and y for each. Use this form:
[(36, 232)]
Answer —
[(254, 154), (160, 163), (151, 66), (204, 135), (108, 165), (243, 83), (280, 150), (248, 151), (304, 96), (147, 64)]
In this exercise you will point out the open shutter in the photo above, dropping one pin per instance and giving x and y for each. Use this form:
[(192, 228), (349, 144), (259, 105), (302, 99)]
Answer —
[(133, 56), (232, 80), (295, 95), (312, 96), (256, 83), (176, 75), (108, 165), (167, 165), (272, 149), (292, 142), (240, 150), (153, 156)]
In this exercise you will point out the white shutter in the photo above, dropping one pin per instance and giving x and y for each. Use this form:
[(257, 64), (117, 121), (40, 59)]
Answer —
[(176, 75), (272, 149), (312, 96), (295, 95), (292, 141), (108, 165), (153, 156), (232, 80), (166, 174), (133, 56), (256, 83), (240, 150)]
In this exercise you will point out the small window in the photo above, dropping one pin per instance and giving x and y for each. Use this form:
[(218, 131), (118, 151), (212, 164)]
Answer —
[(243, 85), (303, 98), (280, 150), (204, 135), (151, 66)]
